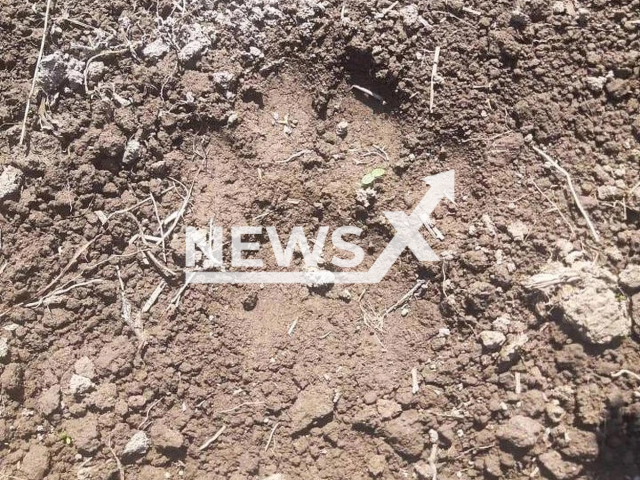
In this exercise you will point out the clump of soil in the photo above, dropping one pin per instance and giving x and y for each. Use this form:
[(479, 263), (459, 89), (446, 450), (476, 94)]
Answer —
[(151, 117)]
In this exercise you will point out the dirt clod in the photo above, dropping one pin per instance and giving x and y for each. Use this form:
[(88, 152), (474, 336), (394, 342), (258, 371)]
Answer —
[(35, 463), (313, 405), (165, 438), (520, 432), (559, 469)]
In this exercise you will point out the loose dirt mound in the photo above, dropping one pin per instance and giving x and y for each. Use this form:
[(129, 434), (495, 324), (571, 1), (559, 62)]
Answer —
[(150, 117)]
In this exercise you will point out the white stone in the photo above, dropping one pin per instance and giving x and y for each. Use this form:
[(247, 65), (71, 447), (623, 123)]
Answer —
[(79, 385), (517, 231), (4, 349), (155, 50), (137, 445), (10, 181), (191, 51), (492, 340)]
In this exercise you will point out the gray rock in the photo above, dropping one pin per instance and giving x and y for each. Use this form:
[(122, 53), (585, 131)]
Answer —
[(410, 15), (222, 78), (376, 465), (10, 181), (52, 72), (629, 279), (595, 84), (137, 446), (84, 366), (342, 128), (4, 350), (312, 405), (609, 193), (555, 413), (191, 51), (131, 151), (492, 340), (79, 385), (520, 432), (517, 231), (155, 50)]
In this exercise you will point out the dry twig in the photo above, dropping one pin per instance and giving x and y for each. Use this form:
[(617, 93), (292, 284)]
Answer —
[(573, 191), (273, 430), (294, 156), (434, 71), (213, 439), (35, 73), (118, 462), (624, 371)]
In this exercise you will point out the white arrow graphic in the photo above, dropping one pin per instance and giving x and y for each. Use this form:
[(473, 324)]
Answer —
[(407, 236)]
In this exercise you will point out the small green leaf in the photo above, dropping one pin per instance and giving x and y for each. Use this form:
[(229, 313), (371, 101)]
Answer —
[(66, 438), (378, 172), (368, 179)]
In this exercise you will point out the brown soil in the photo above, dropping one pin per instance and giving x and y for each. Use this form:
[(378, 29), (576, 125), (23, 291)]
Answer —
[(333, 398)]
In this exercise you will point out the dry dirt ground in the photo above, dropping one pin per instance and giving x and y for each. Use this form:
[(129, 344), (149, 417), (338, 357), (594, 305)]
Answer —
[(148, 117)]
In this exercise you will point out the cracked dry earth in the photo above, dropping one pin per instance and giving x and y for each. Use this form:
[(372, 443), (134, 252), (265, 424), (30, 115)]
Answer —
[(514, 356)]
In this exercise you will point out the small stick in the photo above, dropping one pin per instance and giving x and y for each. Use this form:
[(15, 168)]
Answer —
[(292, 327), (237, 407), (624, 371), (573, 191), (79, 252), (176, 298), (555, 206), (471, 11), (518, 384), (273, 430), (404, 298), (180, 212), (415, 388), (35, 74), (146, 417), (366, 91), (139, 204), (294, 156), (434, 70), (56, 293), (154, 296), (155, 209), (213, 439), (433, 457), (164, 270), (387, 10), (118, 463)]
